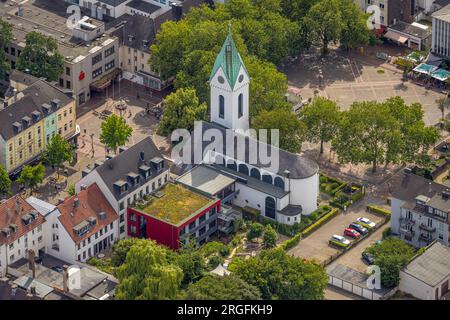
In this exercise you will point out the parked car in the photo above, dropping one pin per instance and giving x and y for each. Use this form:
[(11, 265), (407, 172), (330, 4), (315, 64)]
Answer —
[(57, 269), (366, 223), (368, 258), (358, 228), (352, 233), (340, 239)]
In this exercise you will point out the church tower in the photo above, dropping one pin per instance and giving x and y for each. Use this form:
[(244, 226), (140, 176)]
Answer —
[(229, 83)]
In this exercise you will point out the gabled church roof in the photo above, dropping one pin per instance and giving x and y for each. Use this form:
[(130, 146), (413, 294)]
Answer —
[(229, 60)]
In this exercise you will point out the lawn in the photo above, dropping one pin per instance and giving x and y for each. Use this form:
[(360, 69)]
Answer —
[(174, 203)]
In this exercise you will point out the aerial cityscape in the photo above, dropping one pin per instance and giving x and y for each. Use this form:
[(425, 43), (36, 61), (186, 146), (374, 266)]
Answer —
[(225, 150)]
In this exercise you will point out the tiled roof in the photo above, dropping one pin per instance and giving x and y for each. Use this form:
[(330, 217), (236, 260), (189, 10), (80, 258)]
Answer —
[(11, 213), (91, 202)]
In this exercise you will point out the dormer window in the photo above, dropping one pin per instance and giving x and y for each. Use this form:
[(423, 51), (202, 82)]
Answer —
[(121, 186), (158, 163), (17, 127), (145, 171), (26, 121), (82, 228), (36, 115), (55, 103), (133, 178), (47, 108)]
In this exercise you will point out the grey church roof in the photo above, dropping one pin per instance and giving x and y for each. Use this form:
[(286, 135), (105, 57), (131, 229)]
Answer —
[(299, 167)]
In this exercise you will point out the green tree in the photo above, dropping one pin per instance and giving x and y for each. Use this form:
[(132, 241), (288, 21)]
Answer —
[(120, 250), (282, 276), (291, 129), (32, 176), (5, 39), (442, 106), (214, 287), (5, 182), (147, 274), (181, 110), (269, 237), (326, 22), (321, 119), (58, 151), (354, 29), (191, 262), (391, 255), (255, 230), (41, 57), (115, 132), (71, 190)]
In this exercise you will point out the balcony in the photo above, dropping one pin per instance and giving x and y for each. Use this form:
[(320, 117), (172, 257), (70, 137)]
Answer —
[(407, 234), (425, 237), (404, 222), (427, 228)]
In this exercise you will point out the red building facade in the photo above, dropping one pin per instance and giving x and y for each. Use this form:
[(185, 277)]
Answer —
[(200, 225)]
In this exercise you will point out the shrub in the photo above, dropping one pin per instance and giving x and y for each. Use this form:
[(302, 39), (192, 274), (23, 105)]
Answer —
[(387, 232), (316, 225), (380, 211), (330, 185)]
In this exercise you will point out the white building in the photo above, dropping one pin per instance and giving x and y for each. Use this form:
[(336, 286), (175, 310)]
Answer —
[(441, 32), (21, 230), (420, 210), (80, 227), (130, 175), (427, 276), (282, 194)]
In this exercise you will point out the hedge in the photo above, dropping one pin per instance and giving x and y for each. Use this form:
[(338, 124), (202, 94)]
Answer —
[(377, 210), (323, 180), (288, 244)]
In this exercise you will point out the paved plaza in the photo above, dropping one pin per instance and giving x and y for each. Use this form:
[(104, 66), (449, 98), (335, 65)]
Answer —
[(347, 79)]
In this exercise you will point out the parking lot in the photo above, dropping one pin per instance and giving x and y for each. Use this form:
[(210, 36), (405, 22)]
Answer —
[(316, 246)]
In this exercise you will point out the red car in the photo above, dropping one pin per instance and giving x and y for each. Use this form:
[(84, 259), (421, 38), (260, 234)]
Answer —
[(352, 233)]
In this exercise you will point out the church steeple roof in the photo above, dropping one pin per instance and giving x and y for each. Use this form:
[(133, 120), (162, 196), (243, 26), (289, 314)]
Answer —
[(229, 60)]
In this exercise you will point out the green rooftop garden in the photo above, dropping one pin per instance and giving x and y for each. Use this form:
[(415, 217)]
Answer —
[(173, 204)]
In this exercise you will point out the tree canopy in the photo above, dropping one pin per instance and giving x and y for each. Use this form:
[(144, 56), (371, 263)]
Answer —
[(214, 287), (282, 276), (5, 182), (5, 40), (41, 57), (32, 176), (181, 109), (391, 255), (58, 151), (115, 132)]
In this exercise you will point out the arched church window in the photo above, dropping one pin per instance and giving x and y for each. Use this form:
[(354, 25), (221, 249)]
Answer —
[(240, 105), (241, 78), (270, 208), (221, 106), (267, 178), (220, 79), (255, 173), (279, 182), (243, 169), (231, 164)]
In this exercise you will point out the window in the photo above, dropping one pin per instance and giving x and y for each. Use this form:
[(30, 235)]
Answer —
[(97, 72), (121, 206), (68, 71), (97, 59), (133, 229), (29, 135), (270, 208), (122, 217), (109, 52), (212, 224), (192, 225), (122, 229), (202, 218), (109, 65), (240, 105), (132, 217), (221, 106)]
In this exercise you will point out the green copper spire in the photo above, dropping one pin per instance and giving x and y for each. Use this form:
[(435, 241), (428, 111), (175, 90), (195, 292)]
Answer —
[(229, 60)]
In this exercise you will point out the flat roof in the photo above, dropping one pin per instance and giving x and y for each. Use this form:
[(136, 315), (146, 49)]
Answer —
[(175, 204), (206, 179)]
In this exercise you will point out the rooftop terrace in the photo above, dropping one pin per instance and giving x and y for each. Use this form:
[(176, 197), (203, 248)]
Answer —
[(174, 204)]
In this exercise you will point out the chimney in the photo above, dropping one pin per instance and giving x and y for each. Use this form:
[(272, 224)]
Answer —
[(75, 202), (17, 205), (15, 95), (66, 278), (31, 262), (142, 155)]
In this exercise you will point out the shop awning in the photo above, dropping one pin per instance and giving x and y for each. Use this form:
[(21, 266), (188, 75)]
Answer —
[(425, 68), (441, 74), (396, 36)]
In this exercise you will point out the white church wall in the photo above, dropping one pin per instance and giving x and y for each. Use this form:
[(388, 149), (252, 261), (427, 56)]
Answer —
[(305, 192)]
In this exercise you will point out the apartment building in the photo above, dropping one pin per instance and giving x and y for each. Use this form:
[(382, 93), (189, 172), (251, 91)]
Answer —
[(420, 210), (27, 125), (132, 174), (391, 11), (21, 229), (441, 32), (90, 55)]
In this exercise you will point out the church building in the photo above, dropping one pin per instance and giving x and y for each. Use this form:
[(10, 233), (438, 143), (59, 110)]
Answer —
[(283, 194)]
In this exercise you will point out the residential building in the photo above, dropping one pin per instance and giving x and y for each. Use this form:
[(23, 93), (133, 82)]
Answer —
[(427, 276), (127, 177), (438, 5), (27, 125), (90, 55), (21, 230), (392, 11), (174, 216), (441, 32), (283, 192), (415, 36), (420, 210), (81, 226)]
